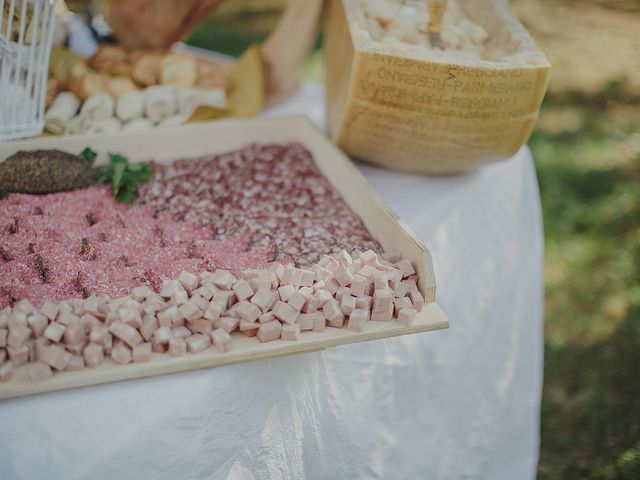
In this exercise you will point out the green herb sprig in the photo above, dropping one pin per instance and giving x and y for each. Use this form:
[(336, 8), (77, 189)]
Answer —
[(122, 175)]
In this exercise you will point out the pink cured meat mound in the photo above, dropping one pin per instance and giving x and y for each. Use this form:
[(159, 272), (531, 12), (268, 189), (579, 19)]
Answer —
[(126, 246), (273, 193)]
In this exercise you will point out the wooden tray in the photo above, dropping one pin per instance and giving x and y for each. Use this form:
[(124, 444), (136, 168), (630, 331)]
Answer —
[(200, 139)]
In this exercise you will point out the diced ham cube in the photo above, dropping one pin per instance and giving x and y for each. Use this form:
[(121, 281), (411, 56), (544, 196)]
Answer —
[(74, 333), (343, 258), (67, 318), (169, 287), (341, 292), (248, 311), (405, 267), (319, 322), (285, 312), (76, 348), (228, 324), (222, 340), (200, 325), (369, 258), (49, 310), (290, 332), (269, 331), (323, 297), (6, 371), (285, 292), (266, 317), (343, 276), (348, 304), (140, 293), (18, 335), (200, 301), (357, 320), (169, 317), (98, 334), (364, 302), (4, 333), (25, 306), (180, 297), (75, 364), (407, 315), (56, 357), (242, 290), (131, 316), (163, 335), (190, 311), (359, 285), (305, 320), (417, 300), (126, 333), (250, 329), (367, 272), (382, 300), (400, 303), (198, 343), (108, 344), (189, 281), (19, 356), (264, 299), (214, 311), (142, 352), (208, 290), (262, 281), (401, 290), (149, 325), (381, 281), (224, 298), (121, 353), (222, 279), (333, 314), (93, 355), (180, 332), (39, 371), (311, 303), (88, 322), (384, 315), (40, 345), (307, 278), (159, 347), (54, 331), (297, 301)]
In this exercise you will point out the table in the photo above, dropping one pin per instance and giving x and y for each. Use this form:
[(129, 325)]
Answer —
[(460, 403)]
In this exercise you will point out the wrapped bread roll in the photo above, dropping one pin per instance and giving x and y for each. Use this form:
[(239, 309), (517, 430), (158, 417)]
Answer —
[(109, 125), (107, 58), (160, 102), (130, 106), (117, 86), (138, 124), (99, 106), (145, 68), (187, 100), (178, 70), (62, 110), (78, 124)]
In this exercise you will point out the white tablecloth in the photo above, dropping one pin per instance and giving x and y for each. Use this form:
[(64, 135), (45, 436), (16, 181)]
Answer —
[(457, 404)]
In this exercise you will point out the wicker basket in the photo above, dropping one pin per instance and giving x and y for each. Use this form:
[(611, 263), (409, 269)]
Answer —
[(26, 35), (432, 116)]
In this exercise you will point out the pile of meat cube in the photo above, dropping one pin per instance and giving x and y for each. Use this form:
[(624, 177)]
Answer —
[(195, 312)]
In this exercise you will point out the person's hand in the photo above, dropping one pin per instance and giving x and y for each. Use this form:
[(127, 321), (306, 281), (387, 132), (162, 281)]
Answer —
[(139, 24)]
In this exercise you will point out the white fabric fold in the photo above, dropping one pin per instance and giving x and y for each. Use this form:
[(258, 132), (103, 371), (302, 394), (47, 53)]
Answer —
[(130, 105)]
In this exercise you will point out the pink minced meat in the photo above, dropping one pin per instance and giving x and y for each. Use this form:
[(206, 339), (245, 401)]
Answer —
[(125, 246), (274, 193)]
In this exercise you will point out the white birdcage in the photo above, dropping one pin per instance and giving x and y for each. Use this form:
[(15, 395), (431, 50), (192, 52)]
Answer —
[(26, 35)]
